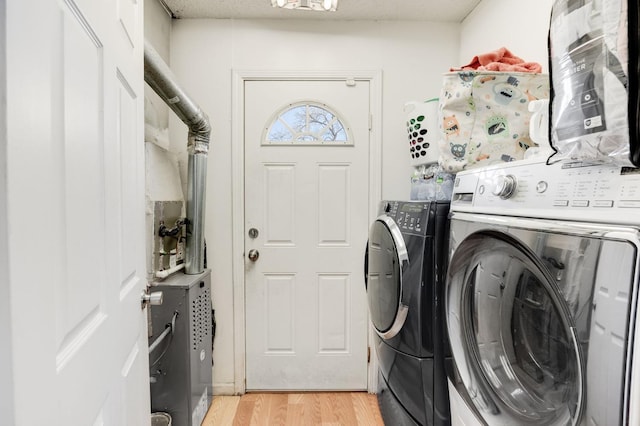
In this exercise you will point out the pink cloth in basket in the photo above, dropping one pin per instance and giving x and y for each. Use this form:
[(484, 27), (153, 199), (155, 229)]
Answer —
[(500, 60)]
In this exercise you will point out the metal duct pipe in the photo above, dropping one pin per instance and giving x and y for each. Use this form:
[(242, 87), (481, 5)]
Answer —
[(160, 78)]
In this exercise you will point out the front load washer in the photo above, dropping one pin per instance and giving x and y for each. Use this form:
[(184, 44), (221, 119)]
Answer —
[(542, 293), (404, 270)]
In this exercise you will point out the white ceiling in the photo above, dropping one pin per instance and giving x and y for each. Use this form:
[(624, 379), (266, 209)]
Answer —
[(369, 10)]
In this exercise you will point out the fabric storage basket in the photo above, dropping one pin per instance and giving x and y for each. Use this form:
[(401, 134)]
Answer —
[(484, 116)]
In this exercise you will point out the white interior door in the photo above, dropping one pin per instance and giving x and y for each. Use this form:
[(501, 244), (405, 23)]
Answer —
[(75, 211), (306, 314)]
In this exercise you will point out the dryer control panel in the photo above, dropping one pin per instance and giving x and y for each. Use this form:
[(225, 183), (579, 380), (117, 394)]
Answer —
[(410, 216), (572, 191)]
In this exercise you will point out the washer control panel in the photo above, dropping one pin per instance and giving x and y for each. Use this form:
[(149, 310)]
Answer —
[(505, 186), (573, 191)]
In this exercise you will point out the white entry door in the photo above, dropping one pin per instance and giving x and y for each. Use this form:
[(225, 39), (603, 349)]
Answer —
[(75, 213), (306, 220)]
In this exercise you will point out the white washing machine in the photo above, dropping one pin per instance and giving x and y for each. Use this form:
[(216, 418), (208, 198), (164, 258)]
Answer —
[(541, 295)]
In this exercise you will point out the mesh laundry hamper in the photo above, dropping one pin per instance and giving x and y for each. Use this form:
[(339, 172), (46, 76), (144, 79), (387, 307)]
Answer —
[(422, 130)]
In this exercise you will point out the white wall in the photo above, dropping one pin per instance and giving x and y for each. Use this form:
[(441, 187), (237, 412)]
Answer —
[(6, 358), (161, 174), (411, 55), (519, 25), (157, 30)]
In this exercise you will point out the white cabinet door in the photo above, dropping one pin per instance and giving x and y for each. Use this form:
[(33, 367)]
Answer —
[(75, 212), (306, 313)]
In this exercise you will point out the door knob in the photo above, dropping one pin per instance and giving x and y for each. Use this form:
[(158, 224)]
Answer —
[(153, 298), (253, 255)]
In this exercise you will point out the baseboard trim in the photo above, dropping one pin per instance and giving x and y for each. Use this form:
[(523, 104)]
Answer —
[(223, 389)]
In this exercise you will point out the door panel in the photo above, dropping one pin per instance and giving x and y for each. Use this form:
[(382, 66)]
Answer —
[(305, 299), (75, 159)]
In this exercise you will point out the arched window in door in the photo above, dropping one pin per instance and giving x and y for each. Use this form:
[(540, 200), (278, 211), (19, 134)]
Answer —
[(307, 123)]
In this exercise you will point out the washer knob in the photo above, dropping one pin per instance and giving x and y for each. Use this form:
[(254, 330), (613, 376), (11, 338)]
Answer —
[(505, 186)]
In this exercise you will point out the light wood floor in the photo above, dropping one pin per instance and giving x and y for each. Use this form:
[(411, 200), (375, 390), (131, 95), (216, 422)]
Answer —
[(295, 409)]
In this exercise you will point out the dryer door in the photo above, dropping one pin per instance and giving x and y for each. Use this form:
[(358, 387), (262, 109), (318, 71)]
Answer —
[(387, 259), (511, 332)]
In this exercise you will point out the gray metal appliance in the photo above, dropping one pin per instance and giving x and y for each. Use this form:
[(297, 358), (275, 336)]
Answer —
[(181, 363), (404, 271), (542, 295)]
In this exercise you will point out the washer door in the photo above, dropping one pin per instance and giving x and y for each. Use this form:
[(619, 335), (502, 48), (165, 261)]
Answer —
[(511, 333), (387, 259)]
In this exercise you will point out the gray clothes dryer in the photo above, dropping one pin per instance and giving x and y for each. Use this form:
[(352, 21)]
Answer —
[(404, 272)]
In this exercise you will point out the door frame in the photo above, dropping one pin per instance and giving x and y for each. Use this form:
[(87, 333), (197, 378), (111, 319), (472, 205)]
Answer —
[(239, 77)]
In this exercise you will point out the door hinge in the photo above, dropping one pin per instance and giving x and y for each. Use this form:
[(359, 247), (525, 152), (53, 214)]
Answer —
[(370, 121), (368, 355)]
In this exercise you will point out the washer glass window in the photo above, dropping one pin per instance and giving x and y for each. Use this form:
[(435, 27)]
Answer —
[(515, 333)]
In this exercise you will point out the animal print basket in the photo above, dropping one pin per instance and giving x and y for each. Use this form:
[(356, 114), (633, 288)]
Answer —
[(484, 117)]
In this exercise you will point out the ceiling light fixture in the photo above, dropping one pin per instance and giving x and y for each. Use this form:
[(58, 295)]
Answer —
[(321, 5)]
